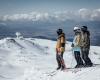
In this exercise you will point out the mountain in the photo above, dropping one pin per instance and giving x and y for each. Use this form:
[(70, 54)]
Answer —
[(47, 29), (35, 59), (5, 31)]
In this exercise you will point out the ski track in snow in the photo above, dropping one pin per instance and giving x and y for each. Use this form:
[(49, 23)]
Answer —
[(34, 59)]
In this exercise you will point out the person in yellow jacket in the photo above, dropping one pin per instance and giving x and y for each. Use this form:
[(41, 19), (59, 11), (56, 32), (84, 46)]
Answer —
[(60, 49)]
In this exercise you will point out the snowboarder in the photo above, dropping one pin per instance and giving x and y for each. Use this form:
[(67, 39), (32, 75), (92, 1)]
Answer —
[(60, 48), (76, 47), (85, 46)]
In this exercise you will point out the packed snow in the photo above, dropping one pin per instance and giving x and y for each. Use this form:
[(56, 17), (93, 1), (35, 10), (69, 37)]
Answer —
[(35, 59)]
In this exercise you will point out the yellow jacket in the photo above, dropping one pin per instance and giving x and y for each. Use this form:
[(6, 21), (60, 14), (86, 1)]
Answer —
[(60, 46)]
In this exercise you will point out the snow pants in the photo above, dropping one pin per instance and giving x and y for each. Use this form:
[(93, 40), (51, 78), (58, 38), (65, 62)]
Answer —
[(78, 58), (85, 53), (60, 60)]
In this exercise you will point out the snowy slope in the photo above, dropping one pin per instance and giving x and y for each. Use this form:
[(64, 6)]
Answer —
[(34, 59)]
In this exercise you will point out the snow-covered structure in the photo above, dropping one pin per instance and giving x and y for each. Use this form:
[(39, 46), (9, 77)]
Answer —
[(19, 35)]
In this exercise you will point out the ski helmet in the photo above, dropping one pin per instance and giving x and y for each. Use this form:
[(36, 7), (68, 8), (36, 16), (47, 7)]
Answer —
[(76, 28), (59, 31), (84, 28)]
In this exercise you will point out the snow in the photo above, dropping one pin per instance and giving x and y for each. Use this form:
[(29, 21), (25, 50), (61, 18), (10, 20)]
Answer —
[(34, 59)]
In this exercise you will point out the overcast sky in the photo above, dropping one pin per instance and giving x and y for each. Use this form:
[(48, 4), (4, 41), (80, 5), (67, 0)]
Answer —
[(45, 10), (27, 6)]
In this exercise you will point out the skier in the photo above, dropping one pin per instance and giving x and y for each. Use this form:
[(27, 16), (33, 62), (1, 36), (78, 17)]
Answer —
[(60, 48), (85, 46), (76, 47)]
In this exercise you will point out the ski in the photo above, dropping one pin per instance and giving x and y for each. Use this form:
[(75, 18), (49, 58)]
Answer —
[(73, 70), (52, 73)]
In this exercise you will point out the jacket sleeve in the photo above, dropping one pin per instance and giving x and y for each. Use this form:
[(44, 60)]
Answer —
[(86, 41), (63, 41), (62, 44)]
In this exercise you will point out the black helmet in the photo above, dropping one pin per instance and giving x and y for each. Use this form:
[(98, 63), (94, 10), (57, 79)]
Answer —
[(84, 28), (59, 31)]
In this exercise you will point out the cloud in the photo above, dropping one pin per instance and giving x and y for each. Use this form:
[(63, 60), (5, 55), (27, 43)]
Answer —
[(15, 17), (79, 15), (96, 15), (34, 16), (89, 15), (85, 14)]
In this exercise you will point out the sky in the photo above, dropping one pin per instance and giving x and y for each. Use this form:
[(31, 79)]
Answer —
[(49, 9), (26, 6)]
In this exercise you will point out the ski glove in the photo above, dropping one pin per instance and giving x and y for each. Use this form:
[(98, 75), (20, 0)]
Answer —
[(62, 49)]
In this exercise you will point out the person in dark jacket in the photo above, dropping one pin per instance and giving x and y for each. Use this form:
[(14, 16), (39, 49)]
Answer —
[(85, 46), (76, 47), (60, 49)]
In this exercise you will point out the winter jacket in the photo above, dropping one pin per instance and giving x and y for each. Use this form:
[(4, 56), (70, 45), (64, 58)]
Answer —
[(85, 39), (76, 42), (60, 46)]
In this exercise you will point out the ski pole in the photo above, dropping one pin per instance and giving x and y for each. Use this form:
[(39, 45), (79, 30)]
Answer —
[(72, 57)]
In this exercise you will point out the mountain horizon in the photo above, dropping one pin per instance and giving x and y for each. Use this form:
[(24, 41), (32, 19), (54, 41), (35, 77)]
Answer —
[(46, 29)]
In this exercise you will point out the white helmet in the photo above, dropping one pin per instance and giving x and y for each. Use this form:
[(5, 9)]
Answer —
[(76, 28)]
